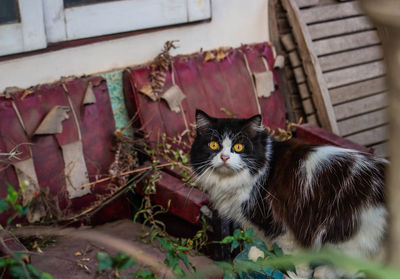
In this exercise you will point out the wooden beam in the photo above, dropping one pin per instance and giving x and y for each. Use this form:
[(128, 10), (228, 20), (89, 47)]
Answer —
[(363, 122), (346, 42), (340, 27), (372, 136), (330, 12), (361, 106), (306, 3), (357, 90), (381, 149), (313, 71), (354, 74), (350, 58)]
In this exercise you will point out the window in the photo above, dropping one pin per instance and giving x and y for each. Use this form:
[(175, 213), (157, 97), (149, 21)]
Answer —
[(21, 26), (31, 24)]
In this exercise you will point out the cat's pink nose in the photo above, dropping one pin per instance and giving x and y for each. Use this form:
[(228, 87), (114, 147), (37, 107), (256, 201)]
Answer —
[(224, 157)]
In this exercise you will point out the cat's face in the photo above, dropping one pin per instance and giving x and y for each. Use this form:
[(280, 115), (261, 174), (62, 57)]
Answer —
[(226, 147)]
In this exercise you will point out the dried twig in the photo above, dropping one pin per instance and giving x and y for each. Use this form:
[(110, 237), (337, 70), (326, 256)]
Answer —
[(125, 173)]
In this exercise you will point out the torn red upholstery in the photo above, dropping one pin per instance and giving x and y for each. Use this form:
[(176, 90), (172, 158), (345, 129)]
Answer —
[(93, 124)]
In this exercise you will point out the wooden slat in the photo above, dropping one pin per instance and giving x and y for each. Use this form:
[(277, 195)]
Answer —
[(294, 59), (340, 27), (312, 69), (312, 119), (288, 42), (308, 106), (381, 149), (363, 122), (354, 74), (349, 58), (306, 3), (330, 12), (346, 42), (370, 137), (303, 90), (361, 106), (357, 90), (299, 75)]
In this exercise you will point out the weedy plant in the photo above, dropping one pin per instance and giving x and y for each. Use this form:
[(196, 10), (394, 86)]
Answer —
[(121, 262), (13, 202), (17, 264), (251, 250), (256, 259), (17, 267)]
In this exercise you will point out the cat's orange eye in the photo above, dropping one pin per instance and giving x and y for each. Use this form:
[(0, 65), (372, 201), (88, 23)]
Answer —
[(213, 145), (238, 147)]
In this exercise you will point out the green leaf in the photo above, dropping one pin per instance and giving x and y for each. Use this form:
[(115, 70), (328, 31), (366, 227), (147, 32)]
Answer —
[(249, 233), (171, 259), (178, 270), (185, 159), (12, 195), (122, 261), (17, 271), (229, 275), (247, 245), (3, 262), (278, 250), (33, 271), (146, 274), (259, 243), (235, 244), (224, 265), (185, 260), (228, 239), (237, 233), (153, 235), (165, 243), (21, 210), (20, 255), (105, 262), (4, 206), (45, 275)]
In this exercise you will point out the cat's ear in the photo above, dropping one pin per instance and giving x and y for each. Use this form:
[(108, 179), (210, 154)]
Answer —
[(203, 121), (254, 125)]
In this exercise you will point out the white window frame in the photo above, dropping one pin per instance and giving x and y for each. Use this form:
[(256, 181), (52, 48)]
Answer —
[(27, 35), (118, 16)]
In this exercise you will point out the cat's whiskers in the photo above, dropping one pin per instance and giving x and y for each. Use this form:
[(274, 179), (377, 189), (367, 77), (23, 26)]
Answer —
[(198, 177), (257, 201)]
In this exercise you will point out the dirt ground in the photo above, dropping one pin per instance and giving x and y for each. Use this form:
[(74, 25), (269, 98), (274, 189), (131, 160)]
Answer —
[(68, 257)]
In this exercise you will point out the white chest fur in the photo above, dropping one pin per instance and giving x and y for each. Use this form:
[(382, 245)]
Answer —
[(227, 193)]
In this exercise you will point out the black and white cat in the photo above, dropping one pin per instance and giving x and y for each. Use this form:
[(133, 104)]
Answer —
[(292, 193)]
